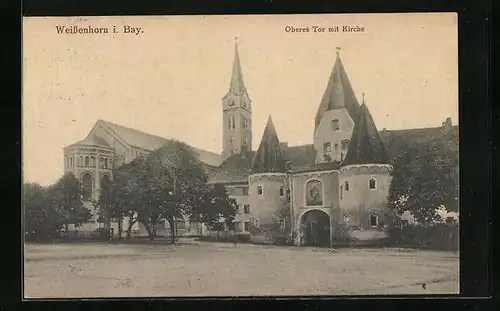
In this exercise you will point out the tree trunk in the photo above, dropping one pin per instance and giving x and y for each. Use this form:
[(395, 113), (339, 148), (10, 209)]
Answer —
[(172, 230), (176, 229), (120, 229), (66, 228), (131, 223), (150, 233)]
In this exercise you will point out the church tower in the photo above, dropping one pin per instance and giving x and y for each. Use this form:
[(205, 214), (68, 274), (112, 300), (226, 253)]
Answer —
[(237, 114), (336, 116)]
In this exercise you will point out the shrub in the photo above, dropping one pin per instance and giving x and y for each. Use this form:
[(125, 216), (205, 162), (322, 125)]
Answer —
[(439, 236)]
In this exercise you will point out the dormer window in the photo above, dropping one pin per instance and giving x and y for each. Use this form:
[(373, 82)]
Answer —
[(335, 125)]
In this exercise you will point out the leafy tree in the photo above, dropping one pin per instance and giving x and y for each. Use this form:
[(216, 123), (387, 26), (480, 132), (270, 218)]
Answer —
[(40, 220), (217, 206), (182, 183), (144, 189), (114, 200), (66, 199), (170, 183), (425, 177)]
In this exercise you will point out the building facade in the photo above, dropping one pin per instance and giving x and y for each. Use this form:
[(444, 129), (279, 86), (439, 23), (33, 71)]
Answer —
[(331, 191)]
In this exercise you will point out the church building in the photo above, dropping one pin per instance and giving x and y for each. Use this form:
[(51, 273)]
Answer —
[(330, 191)]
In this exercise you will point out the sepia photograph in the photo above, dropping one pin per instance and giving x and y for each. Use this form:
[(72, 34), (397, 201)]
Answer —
[(240, 155)]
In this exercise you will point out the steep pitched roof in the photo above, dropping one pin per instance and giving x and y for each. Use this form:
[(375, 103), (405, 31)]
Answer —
[(237, 86), (338, 94), (269, 157), (135, 137), (236, 168), (366, 146), (142, 140), (397, 140)]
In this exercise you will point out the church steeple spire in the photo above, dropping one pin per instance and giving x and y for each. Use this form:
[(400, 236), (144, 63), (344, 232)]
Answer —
[(237, 86), (237, 113)]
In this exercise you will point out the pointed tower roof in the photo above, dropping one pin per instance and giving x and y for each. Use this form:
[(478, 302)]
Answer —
[(366, 146), (338, 94), (269, 157), (237, 86)]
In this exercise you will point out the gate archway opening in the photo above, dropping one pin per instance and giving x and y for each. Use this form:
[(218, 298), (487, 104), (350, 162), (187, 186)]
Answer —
[(316, 228)]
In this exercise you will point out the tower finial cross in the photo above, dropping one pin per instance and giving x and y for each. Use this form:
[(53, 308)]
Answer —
[(338, 50), (236, 40), (363, 97)]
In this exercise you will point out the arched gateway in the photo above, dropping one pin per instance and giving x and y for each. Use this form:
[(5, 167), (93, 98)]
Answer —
[(315, 225)]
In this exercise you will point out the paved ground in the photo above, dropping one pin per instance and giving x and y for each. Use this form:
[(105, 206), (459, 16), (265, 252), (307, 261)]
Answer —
[(214, 269)]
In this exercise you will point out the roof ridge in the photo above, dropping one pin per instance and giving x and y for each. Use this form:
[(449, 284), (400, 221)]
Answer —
[(416, 129), (134, 129), (151, 135)]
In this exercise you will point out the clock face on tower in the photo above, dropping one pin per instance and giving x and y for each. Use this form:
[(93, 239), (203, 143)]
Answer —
[(231, 103)]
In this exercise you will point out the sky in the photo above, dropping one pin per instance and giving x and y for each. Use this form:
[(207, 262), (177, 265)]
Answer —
[(169, 79)]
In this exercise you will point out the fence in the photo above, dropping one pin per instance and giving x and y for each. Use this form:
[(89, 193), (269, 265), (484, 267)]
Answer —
[(225, 236)]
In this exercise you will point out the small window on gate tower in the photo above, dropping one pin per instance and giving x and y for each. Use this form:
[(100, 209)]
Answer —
[(335, 125), (372, 184), (260, 190), (373, 220)]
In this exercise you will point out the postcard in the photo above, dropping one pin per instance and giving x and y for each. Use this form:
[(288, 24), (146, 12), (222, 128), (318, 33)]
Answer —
[(240, 155)]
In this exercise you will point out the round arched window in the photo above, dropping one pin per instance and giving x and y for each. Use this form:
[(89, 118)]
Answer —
[(372, 184), (87, 186)]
